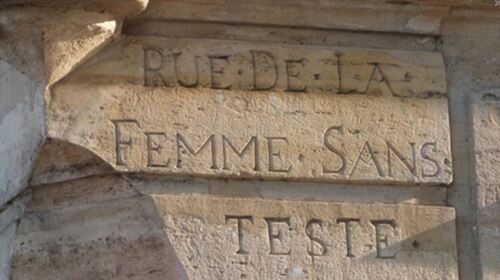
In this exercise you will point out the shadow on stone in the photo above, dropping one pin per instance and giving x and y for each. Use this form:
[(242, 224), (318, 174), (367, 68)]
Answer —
[(60, 161), (99, 227)]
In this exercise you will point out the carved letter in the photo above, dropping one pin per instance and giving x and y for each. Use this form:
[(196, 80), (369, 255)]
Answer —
[(348, 234), (119, 142), (310, 234), (382, 240), (276, 236), (334, 150), (411, 167), (292, 73), (181, 142), (253, 141), (427, 157), (380, 78), (240, 219), (263, 56), (153, 64), (275, 154), (216, 84), (151, 148), (178, 72), (367, 154)]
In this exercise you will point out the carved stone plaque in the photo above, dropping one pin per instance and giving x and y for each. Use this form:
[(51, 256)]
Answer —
[(219, 238), (255, 110)]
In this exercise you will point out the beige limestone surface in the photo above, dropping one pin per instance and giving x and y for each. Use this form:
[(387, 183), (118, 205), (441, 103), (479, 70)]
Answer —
[(486, 179), (109, 227), (471, 49), (57, 243), (217, 238), (235, 109), (409, 16), (96, 228)]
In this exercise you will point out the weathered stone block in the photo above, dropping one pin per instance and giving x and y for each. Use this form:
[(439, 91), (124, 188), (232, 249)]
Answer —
[(222, 108), (219, 238), (95, 228), (106, 227)]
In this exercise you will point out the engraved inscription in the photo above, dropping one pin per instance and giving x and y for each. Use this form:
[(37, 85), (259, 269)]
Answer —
[(384, 233), (265, 68), (380, 158), (248, 238), (261, 110)]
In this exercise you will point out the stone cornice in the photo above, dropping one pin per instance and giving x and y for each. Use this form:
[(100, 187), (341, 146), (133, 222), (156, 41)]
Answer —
[(119, 8)]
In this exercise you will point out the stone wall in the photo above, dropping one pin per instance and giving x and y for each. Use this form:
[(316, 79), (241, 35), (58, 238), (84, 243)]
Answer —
[(249, 139), (22, 128)]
